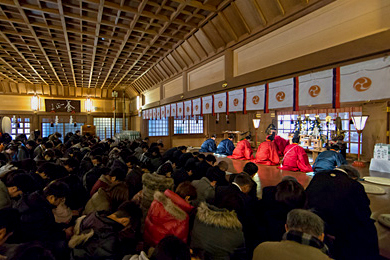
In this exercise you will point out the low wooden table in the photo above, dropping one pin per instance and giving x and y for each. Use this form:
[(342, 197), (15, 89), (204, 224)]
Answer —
[(315, 152)]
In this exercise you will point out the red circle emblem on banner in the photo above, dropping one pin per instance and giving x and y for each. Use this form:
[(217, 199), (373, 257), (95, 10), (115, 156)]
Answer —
[(207, 105), (280, 96), (220, 104), (314, 90), (362, 84), (255, 100), (235, 102), (196, 107), (188, 109)]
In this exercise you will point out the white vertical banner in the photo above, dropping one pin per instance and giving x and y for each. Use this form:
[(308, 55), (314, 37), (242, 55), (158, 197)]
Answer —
[(281, 94), (196, 106), (180, 109), (316, 88), (163, 112), (150, 114), (220, 103), (236, 100), (207, 105), (368, 80), (143, 114), (154, 114), (255, 98), (158, 109), (173, 110), (168, 111), (187, 107)]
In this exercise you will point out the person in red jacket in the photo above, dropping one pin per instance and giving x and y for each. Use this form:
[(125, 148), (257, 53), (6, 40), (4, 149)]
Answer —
[(295, 157), (280, 142), (243, 150), (267, 153), (169, 214)]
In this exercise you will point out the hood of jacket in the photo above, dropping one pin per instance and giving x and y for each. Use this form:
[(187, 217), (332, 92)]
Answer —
[(173, 204), (217, 217), (155, 181)]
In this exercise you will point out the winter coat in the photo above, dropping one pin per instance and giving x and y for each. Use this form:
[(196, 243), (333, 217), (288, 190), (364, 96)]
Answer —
[(287, 250), (153, 182), (102, 182), (344, 206), (217, 232), (141, 256), (218, 174), (169, 154), (138, 152), (91, 177), (204, 190), (281, 144), (208, 146), (267, 154), (225, 147), (168, 215), (100, 201), (243, 151), (119, 163), (5, 199), (134, 180), (37, 219), (295, 159), (328, 160), (96, 237), (180, 176), (23, 152), (201, 170)]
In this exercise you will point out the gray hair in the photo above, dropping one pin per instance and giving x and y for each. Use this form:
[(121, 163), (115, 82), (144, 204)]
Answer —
[(305, 221)]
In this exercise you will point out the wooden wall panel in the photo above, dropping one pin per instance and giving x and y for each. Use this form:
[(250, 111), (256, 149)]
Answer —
[(339, 22), (207, 74), (173, 88), (152, 96)]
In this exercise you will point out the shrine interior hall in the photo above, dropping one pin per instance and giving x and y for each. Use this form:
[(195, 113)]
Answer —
[(179, 71)]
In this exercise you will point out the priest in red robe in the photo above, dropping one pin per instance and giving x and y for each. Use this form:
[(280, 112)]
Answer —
[(295, 157), (243, 150), (280, 142), (267, 153)]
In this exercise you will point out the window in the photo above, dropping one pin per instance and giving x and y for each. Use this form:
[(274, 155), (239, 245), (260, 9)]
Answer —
[(21, 126), (188, 126), (286, 124), (105, 126), (62, 128), (158, 127)]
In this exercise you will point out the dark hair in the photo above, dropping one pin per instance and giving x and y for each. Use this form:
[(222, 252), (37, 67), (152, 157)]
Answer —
[(144, 146), (98, 158), (334, 147), (250, 168), (132, 159), (49, 152), (9, 219), (72, 163), (291, 193), (22, 180), (296, 137), (118, 173), (201, 156), (191, 166), (213, 136), (231, 136), (243, 179), (48, 144), (32, 251), (271, 137), (160, 144), (165, 168), (247, 137), (58, 189), (29, 165), (186, 189), (223, 166), (182, 148), (52, 170), (195, 154), (118, 194), (211, 158), (31, 143), (171, 248)]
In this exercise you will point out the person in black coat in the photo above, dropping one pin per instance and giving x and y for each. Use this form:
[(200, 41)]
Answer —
[(251, 169), (344, 206), (183, 174), (219, 171), (134, 176), (203, 166)]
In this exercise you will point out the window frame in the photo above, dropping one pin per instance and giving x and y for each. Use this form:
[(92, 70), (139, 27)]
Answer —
[(188, 122)]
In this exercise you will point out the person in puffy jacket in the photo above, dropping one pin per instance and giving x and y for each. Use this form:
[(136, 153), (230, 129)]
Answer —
[(169, 214)]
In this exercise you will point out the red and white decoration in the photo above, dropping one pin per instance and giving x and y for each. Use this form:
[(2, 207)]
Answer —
[(207, 105), (367, 80), (196, 106), (255, 98), (168, 111), (281, 94), (187, 108), (154, 114), (158, 113), (316, 88), (163, 112), (173, 110), (236, 100), (180, 109), (220, 103), (143, 114)]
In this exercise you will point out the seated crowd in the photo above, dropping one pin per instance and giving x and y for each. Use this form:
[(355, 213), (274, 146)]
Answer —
[(86, 198)]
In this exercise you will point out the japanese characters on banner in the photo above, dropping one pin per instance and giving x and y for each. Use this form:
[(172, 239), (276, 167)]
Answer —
[(163, 112), (316, 88), (180, 109), (367, 80), (187, 108), (158, 113), (207, 105), (255, 98), (196, 106), (236, 100), (220, 103), (281, 94), (173, 110), (168, 111), (154, 114)]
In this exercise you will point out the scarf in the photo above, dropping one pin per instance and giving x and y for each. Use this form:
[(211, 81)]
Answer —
[(305, 239)]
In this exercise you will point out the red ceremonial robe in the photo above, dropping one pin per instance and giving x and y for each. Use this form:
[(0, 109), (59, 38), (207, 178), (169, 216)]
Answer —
[(243, 151), (267, 153), (295, 159), (281, 144)]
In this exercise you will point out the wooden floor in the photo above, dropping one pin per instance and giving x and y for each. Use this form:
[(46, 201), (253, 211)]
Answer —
[(380, 204)]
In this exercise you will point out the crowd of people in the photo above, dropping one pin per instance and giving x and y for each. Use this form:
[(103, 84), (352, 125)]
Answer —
[(85, 198)]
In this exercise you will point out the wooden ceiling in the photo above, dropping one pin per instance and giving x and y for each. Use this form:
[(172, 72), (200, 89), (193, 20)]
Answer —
[(92, 47)]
